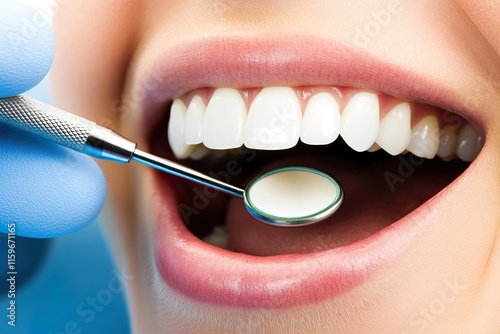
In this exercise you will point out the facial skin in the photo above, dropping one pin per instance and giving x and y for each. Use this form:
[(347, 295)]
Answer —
[(105, 48)]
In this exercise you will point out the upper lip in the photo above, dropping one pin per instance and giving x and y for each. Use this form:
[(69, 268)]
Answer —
[(267, 61), (281, 281)]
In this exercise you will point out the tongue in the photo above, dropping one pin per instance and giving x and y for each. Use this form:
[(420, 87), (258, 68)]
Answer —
[(371, 203)]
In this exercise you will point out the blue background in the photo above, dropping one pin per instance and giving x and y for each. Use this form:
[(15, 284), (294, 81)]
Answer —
[(55, 277)]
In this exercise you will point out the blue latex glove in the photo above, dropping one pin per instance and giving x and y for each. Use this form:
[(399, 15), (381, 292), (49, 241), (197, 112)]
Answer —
[(45, 190)]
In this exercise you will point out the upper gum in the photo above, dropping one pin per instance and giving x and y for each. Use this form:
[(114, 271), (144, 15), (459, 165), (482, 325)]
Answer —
[(341, 94)]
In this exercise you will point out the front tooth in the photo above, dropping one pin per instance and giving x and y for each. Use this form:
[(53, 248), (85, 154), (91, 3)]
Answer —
[(469, 143), (176, 127), (274, 120), (395, 130), (321, 122), (425, 138), (225, 120), (193, 134), (218, 237), (447, 143), (360, 121)]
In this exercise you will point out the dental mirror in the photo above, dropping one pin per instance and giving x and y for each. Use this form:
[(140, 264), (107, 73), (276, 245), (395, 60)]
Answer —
[(293, 196), (286, 197)]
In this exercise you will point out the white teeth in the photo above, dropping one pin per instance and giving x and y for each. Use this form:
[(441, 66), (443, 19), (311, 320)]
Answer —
[(447, 143), (425, 138), (225, 120), (395, 130), (469, 143), (176, 126), (274, 120), (193, 133), (360, 121), (321, 121)]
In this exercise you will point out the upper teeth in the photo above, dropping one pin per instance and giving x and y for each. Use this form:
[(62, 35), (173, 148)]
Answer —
[(360, 121), (321, 122), (394, 134), (425, 138), (275, 121), (225, 119)]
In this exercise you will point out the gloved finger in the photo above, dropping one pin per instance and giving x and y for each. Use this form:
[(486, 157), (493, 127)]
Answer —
[(46, 190), (26, 47)]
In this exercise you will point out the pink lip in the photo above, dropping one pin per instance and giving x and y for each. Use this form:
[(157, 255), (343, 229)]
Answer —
[(212, 275), (282, 60), (208, 274)]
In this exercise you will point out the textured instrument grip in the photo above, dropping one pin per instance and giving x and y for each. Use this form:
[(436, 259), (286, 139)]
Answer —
[(45, 121)]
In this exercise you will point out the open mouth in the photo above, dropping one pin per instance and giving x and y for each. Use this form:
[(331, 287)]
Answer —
[(390, 155), (393, 155)]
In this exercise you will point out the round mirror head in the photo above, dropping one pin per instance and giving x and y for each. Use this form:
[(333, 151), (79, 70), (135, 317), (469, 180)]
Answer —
[(293, 196)]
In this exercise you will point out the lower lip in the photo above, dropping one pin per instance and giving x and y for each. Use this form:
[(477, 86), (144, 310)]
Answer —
[(208, 274)]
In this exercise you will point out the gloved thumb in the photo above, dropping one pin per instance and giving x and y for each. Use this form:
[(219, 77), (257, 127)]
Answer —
[(46, 190), (26, 47)]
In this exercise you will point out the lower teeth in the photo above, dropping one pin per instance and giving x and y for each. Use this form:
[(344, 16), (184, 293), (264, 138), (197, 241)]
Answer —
[(218, 237)]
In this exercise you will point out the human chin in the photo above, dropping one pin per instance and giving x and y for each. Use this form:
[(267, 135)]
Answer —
[(397, 241)]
